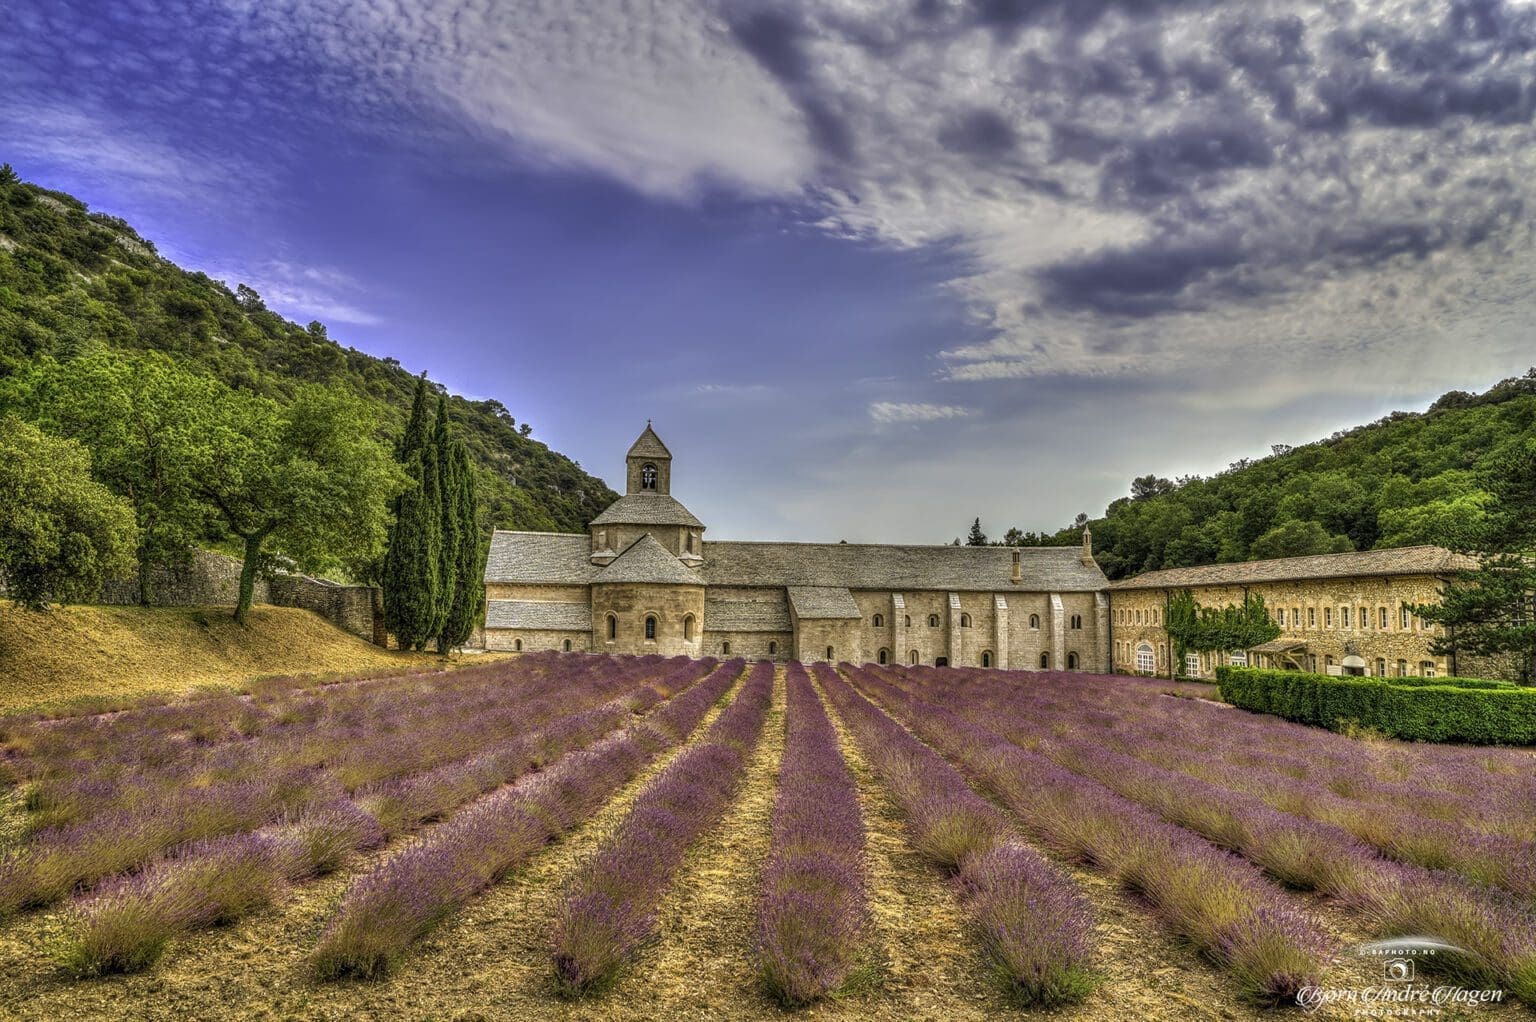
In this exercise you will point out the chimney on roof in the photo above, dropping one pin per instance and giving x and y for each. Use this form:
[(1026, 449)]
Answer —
[(1018, 568), (1087, 547)]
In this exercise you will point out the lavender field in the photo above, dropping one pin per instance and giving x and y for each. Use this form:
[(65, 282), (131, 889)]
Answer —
[(566, 836)]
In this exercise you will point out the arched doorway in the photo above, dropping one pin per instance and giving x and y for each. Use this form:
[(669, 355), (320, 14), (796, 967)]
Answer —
[(941, 661)]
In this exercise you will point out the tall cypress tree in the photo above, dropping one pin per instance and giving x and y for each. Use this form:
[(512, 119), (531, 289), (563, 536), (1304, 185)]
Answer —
[(443, 445), (469, 592), (412, 575)]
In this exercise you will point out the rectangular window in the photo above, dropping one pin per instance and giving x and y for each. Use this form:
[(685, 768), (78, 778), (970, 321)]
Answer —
[(1192, 664), (1238, 658), (1365, 617), (1382, 616), (1311, 617), (1327, 617), (1295, 617), (1343, 617), (1402, 621)]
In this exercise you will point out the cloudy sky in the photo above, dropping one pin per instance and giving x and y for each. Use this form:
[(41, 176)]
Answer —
[(873, 268)]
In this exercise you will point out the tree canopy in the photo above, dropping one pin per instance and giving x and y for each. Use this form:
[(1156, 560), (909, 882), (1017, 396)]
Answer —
[(61, 533)]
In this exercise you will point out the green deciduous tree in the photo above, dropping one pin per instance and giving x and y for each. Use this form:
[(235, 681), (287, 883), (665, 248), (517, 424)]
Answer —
[(308, 479), (61, 533), (1490, 611), (137, 415), (1297, 538), (1198, 629)]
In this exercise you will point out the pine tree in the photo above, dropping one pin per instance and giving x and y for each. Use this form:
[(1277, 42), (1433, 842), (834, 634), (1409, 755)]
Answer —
[(469, 594), (976, 537), (412, 574)]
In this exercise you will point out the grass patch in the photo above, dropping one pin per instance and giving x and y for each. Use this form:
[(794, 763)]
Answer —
[(99, 659)]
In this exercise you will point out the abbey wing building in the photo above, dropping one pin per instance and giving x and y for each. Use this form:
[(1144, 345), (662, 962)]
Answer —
[(643, 579)]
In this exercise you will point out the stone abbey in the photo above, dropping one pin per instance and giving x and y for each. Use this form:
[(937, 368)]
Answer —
[(643, 579)]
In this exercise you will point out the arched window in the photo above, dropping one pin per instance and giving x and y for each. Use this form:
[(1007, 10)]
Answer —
[(688, 628), (613, 627), (773, 649), (1077, 620), (650, 627), (725, 649), (1034, 621), (1071, 661), (517, 644), (933, 620), (1146, 659), (648, 477), (829, 652), (912, 657), (1045, 660), (965, 620), (986, 658), (884, 655), (567, 645), (879, 621), (1381, 668), (909, 620)]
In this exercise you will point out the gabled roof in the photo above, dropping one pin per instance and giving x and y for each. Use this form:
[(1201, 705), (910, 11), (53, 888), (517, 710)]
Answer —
[(565, 617), (649, 445), (647, 508), (899, 568), (824, 602), (1412, 560), (549, 557), (647, 561)]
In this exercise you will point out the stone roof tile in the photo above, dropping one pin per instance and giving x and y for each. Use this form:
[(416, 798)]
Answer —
[(647, 561), (533, 557), (1413, 560), (899, 568), (649, 445), (824, 602), (647, 508)]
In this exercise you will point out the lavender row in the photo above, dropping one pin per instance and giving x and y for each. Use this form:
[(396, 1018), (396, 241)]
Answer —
[(1395, 899), (169, 813), (218, 881), (358, 742), (387, 909), (1220, 903), (126, 926), (1344, 795), (813, 910), (609, 910), (1033, 923)]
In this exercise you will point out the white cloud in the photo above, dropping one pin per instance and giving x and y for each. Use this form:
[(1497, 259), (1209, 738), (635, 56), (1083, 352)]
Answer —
[(888, 412)]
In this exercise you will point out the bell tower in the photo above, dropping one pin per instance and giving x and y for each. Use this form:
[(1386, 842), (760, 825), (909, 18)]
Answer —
[(649, 466)]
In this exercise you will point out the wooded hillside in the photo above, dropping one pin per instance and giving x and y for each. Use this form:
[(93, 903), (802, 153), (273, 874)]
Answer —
[(73, 282), (1406, 479)]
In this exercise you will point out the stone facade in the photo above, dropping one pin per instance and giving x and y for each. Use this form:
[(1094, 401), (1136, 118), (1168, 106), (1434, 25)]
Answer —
[(646, 558), (1339, 614)]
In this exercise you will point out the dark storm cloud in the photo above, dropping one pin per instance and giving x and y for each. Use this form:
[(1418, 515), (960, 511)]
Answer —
[(979, 133), (1147, 279), (776, 40), (1180, 160)]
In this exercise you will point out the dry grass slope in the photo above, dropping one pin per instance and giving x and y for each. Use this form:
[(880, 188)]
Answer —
[(120, 651)]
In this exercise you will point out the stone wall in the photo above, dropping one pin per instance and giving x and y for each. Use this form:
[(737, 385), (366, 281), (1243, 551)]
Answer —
[(752, 645), (209, 579), (206, 580), (1314, 613), (531, 640)]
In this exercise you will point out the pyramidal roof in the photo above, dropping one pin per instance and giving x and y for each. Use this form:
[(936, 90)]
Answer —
[(647, 508), (649, 445), (646, 560)]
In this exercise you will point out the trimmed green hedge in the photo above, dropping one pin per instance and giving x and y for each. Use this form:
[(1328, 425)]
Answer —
[(1424, 710)]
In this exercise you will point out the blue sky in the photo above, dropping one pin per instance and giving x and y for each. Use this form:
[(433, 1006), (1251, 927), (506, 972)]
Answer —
[(873, 268)]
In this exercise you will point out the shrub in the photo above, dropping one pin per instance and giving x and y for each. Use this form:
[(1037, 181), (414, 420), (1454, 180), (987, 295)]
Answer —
[(1425, 710)]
